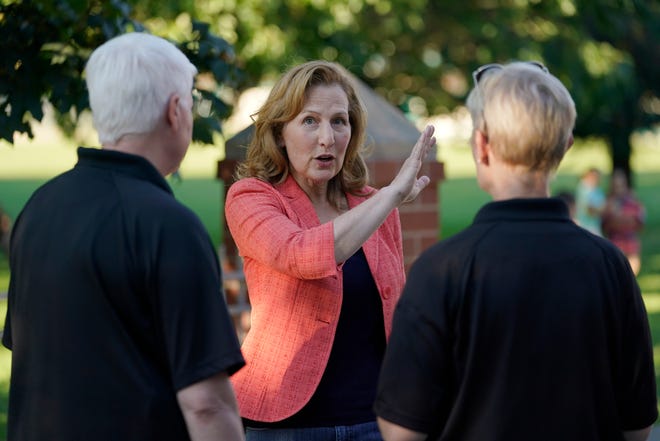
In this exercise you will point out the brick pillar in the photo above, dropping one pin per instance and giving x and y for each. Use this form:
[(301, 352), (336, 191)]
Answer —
[(420, 221)]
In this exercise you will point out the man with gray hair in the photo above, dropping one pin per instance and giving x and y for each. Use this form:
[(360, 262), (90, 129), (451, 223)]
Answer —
[(116, 319), (524, 326)]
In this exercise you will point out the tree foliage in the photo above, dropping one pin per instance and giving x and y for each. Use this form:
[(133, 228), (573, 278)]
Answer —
[(419, 54), (625, 95), (46, 44)]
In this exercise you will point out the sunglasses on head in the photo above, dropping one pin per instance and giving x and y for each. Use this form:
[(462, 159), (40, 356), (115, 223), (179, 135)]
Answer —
[(479, 73)]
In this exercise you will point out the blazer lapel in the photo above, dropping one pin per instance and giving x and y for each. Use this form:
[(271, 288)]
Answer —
[(300, 203), (302, 206)]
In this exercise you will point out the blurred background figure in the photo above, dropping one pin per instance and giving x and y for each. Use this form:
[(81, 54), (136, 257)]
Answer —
[(590, 201), (5, 231), (623, 218)]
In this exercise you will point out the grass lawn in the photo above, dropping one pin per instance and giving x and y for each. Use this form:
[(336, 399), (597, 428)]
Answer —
[(24, 168)]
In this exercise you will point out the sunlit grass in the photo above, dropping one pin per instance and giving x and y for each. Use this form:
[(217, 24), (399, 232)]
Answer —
[(37, 160), (652, 302)]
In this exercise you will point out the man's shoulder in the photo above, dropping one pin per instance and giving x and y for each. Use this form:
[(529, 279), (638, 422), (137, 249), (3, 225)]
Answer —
[(142, 199), (460, 243), (450, 256)]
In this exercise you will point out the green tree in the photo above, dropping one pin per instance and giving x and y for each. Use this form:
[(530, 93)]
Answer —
[(46, 44), (419, 53), (628, 94)]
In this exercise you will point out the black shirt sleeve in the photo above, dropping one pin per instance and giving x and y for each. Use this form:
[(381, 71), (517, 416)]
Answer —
[(199, 335), (637, 405), (416, 387)]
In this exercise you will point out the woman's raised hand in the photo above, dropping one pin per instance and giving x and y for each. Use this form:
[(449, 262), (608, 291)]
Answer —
[(355, 226), (406, 184)]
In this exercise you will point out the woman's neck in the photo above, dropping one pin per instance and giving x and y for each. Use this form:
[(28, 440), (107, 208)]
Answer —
[(325, 209)]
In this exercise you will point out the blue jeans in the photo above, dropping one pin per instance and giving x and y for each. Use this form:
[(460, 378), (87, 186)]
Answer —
[(357, 432)]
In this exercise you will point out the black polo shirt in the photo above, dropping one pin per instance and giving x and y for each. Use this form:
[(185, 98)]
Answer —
[(524, 326), (115, 303)]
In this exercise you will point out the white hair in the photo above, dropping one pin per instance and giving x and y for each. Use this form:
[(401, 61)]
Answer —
[(130, 78)]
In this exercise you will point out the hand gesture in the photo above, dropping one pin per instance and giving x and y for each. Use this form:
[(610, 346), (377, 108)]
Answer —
[(406, 183)]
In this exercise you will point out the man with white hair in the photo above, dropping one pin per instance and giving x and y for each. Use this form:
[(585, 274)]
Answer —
[(116, 319)]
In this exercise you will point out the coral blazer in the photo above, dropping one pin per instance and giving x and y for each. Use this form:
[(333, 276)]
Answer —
[(295, 288)]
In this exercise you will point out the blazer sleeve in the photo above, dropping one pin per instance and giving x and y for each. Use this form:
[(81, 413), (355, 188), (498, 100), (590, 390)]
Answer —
[(266, 228)]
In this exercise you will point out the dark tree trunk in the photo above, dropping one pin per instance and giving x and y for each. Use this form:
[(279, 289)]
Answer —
[(620, 151)]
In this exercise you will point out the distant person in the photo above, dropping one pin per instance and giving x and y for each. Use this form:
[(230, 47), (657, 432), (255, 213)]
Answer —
[(323, 260), (623, 219), (5, 231), (524, 326), (590, 201), (116, 320)]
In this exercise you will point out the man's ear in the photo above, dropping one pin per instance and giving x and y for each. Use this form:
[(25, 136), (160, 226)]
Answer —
[(569, 143), (482, 147), (173, 111)]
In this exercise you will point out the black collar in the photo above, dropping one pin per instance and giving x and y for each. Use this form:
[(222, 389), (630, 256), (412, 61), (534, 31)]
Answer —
[(120, 162), (552, 209)]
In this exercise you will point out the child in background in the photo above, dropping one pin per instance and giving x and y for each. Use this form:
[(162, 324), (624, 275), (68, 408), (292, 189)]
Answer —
[(590, 201), (623, 218)]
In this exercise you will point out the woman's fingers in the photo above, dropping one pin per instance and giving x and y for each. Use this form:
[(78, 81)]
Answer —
[(423, 145), (420, 184), (406, 180)]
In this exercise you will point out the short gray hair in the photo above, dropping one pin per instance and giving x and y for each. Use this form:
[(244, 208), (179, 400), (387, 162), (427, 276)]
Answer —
[(130, 78), (527, 114)]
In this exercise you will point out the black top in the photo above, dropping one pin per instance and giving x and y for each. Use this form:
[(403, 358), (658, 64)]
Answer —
[(347, 390), (114, 304), (524, 326)]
